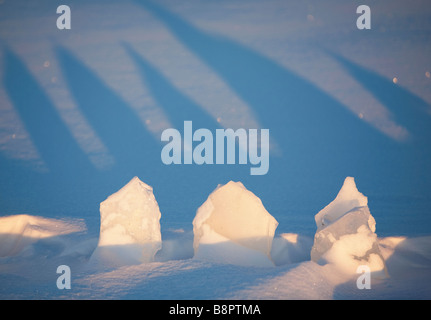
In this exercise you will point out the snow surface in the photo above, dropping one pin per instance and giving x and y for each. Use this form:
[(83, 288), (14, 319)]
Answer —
[(82, 112), (25, 276), (19, 232), (226, 269)]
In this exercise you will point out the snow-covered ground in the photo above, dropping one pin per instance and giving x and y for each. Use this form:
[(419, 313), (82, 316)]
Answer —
[(82, 112), (29, 268)]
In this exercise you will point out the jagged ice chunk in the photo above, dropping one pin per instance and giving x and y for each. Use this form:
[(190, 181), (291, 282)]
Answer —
[(233, 226), (345, 233), (129, 226)]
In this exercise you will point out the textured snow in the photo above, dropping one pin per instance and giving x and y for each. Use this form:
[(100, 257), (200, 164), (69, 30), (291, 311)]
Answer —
[(288, 248), (294, 277), (19, 232)]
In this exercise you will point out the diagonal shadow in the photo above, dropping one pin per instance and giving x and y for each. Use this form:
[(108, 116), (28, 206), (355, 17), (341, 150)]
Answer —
[(177, 187), (52, 138), (119, 127), (317, 135), (178, 107), (282, 100), (135, 150), (23, 189), (72, 183), (407, 108)]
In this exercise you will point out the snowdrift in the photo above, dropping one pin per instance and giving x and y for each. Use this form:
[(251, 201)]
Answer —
[(233, 243), (19, 232)]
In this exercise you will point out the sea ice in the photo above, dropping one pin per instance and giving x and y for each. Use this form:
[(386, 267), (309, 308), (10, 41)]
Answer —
[(345, 233), (233, 226), (129, 226)]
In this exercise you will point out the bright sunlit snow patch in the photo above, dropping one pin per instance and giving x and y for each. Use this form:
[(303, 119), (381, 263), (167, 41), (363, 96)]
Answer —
[(17, 232)]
